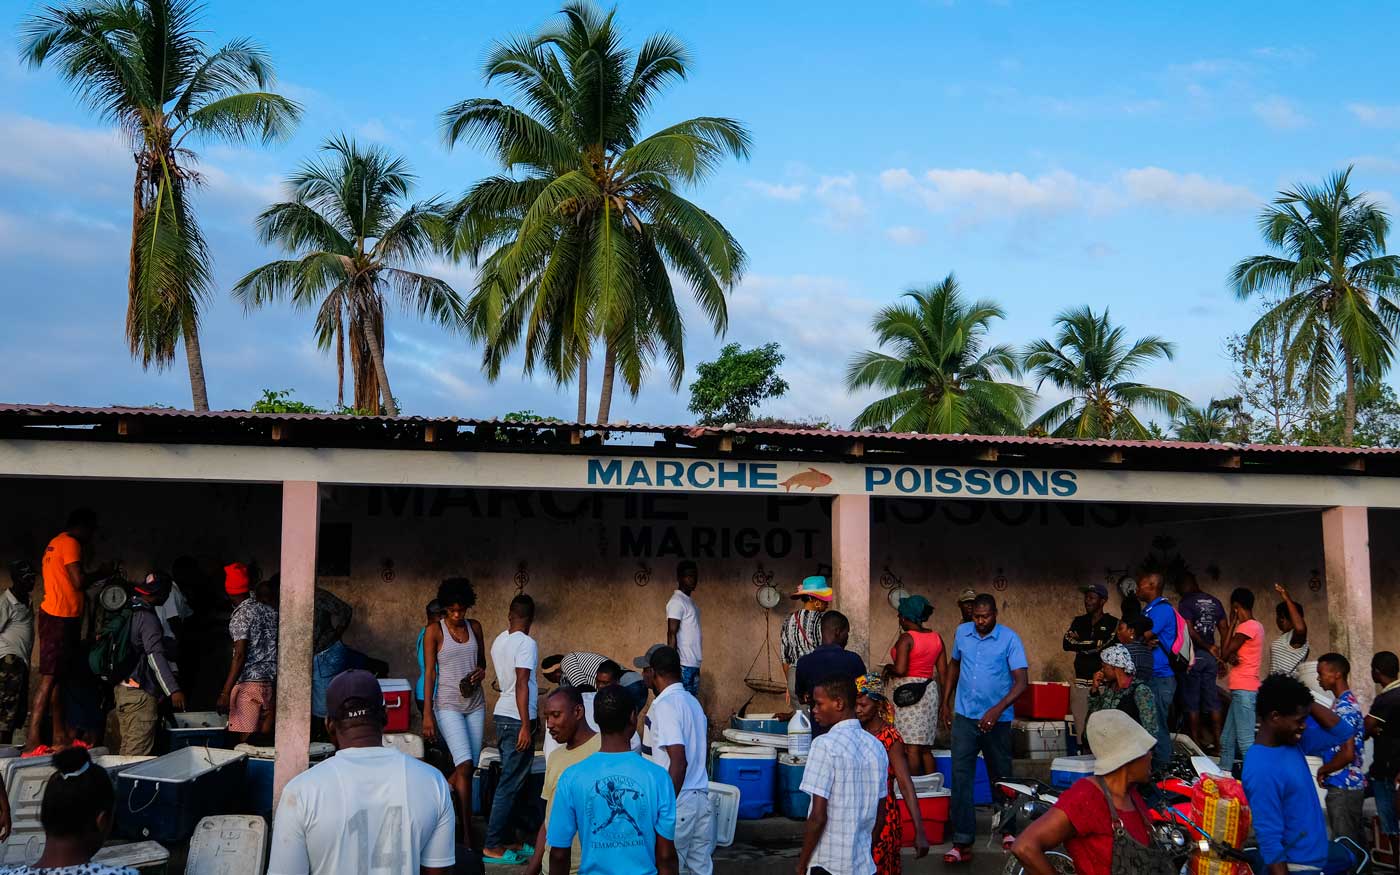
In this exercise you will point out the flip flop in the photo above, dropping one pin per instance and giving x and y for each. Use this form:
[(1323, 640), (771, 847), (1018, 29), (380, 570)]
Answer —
[(957, 855), (527, 850), (509, 858)]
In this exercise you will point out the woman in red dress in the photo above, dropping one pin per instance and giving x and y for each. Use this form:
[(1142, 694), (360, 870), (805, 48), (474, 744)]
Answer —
[(876, 716)]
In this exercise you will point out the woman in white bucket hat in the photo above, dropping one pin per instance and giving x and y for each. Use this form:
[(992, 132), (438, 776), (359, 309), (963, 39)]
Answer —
[(1081, 820)]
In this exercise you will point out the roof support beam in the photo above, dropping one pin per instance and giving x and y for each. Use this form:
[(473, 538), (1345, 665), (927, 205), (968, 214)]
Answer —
[(987, 454), (1112, 457)]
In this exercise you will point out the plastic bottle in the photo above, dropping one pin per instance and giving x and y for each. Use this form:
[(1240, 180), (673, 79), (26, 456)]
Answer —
[(799, 733)]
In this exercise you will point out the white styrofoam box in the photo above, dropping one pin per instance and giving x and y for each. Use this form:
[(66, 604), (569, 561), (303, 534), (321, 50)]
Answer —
[(228, 844), (724, 802), (1039, 739), (407, 743), (135, 855)]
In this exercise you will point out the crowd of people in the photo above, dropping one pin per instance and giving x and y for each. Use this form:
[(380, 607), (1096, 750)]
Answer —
[(626, 786)]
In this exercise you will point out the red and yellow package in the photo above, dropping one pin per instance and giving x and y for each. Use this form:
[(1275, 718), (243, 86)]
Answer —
[(1218, 806)]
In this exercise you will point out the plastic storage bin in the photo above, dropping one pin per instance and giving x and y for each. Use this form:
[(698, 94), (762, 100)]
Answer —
[(164, 798), (1039, 739), (768, 723), (228, 844), (193, 728), (724, 802), (792, 802), (116, 764), (1043, 701), (148, 858), (754, 771), (398, 696), (1064, 771), (934, 808), (258, 774), (24, 782), (982, 785)]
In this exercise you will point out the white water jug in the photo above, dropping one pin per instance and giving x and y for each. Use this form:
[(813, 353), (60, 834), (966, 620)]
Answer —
[(799, 733)]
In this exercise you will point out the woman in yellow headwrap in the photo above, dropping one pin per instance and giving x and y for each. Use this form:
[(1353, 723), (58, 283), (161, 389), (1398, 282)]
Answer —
[(876, 716)]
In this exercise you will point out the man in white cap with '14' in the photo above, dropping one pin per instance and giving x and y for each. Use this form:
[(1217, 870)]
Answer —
[(369, 807), (1084, 817)]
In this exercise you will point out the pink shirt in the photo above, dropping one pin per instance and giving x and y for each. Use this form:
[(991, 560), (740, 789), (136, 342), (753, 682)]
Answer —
[(1245, 674), (923, 656)]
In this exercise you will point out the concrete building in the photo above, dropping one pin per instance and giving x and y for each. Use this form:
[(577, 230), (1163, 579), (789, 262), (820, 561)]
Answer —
[(378, 510)]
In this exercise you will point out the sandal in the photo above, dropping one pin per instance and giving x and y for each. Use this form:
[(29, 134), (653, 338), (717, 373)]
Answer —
[(509, 858), (956, 855)]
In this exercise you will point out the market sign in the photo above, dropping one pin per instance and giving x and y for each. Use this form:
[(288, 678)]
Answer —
[(565, 471)]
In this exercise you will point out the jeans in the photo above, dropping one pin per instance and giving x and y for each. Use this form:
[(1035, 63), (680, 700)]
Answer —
[(968, 741), (1164, 690), (695, 832), (1344, 818), (1385, 806), (462, 734), (515, 769), (1238, 731), (690, 679)]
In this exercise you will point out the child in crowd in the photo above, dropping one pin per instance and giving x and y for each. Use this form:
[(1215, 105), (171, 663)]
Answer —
[(77, 817)]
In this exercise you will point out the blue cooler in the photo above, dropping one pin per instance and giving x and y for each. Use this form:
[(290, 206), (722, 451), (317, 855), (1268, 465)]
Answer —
[(258, 774), (791, 800), (754, 770), (982, 785), (768, 723), (1064, 771)]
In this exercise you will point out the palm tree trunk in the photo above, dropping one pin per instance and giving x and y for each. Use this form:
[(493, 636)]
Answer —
[(138, 211), (1349, 412), (193, 356), (340, 362), (605, 395), (582, 390), (376, 352)]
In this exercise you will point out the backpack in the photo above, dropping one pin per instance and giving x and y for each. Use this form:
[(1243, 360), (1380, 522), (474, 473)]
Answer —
[(1182, 654), (113, 655)]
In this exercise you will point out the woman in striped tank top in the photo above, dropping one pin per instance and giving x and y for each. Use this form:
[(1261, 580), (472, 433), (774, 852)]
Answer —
[(453, 705)]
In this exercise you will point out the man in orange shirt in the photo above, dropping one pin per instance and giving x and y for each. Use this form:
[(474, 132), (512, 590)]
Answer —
[(58, 622)]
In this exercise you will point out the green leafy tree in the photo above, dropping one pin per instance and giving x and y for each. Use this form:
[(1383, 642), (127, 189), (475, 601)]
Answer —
[(942, 376), (1377, 420), (143, 66), (1271, 398), (581, 241), (1219, 421), (281, 401), (1091, 360), (729, 388), (356, 239), (1337, 306)]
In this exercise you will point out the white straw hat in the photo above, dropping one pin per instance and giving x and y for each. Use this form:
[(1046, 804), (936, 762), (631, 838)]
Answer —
[(1116, 740)]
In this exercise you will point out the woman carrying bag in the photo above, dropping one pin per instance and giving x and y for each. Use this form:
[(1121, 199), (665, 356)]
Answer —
[(917, 671), (1102, 820)]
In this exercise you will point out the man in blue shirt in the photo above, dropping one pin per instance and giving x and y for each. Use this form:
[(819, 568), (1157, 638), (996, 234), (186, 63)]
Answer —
[(621, 806), (988, 674), (829, 660), (1163, 681), (1288, 819)]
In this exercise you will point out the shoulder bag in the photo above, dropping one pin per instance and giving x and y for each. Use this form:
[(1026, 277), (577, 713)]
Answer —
[(1130, 857)]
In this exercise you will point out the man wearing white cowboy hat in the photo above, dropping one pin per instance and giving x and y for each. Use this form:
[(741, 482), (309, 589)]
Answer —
[(801, 632), (1082, 820)]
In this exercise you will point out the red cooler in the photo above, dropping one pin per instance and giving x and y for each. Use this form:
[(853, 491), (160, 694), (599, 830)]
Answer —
[(397, 698), (1043, 701), (933, 808)]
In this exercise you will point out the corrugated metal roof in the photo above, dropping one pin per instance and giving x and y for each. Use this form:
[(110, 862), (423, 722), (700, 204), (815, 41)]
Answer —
[(326, 429)]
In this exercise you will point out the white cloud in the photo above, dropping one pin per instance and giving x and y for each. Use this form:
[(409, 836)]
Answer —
[(1375, 115), (777, 191), (64, 156), (980, 195), (843, 207), (1190, 192), (1279, 113), (1376, 164), (905, 235)]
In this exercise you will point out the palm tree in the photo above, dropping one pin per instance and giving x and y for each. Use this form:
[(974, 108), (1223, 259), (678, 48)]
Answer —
[(1217, 422), (942, 376), (142, 65), (1092, 362), (356, 241), (579, 242), (1338, 288)]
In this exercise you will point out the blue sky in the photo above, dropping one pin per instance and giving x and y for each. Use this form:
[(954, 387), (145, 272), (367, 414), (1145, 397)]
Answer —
[(1051, 155)]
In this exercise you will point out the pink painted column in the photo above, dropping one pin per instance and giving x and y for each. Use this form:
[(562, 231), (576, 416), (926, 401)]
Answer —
[(850, 563), (1346, 547), (301, 510)]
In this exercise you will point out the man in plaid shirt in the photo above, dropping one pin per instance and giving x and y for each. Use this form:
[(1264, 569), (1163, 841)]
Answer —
[(846, 776)]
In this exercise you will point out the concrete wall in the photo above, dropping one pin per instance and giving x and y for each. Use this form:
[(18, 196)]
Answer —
[(601, 565)]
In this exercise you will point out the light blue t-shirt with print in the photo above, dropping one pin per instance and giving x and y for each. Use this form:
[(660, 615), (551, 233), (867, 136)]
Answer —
[(617, 804)]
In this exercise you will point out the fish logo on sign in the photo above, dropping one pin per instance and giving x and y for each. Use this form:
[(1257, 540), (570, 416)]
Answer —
[(811, 478)]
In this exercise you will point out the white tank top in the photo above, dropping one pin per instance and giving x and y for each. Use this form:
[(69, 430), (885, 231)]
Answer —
[(456, 660)]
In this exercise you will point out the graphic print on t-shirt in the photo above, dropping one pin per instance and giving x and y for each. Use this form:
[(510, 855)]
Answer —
[(617, 823)]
